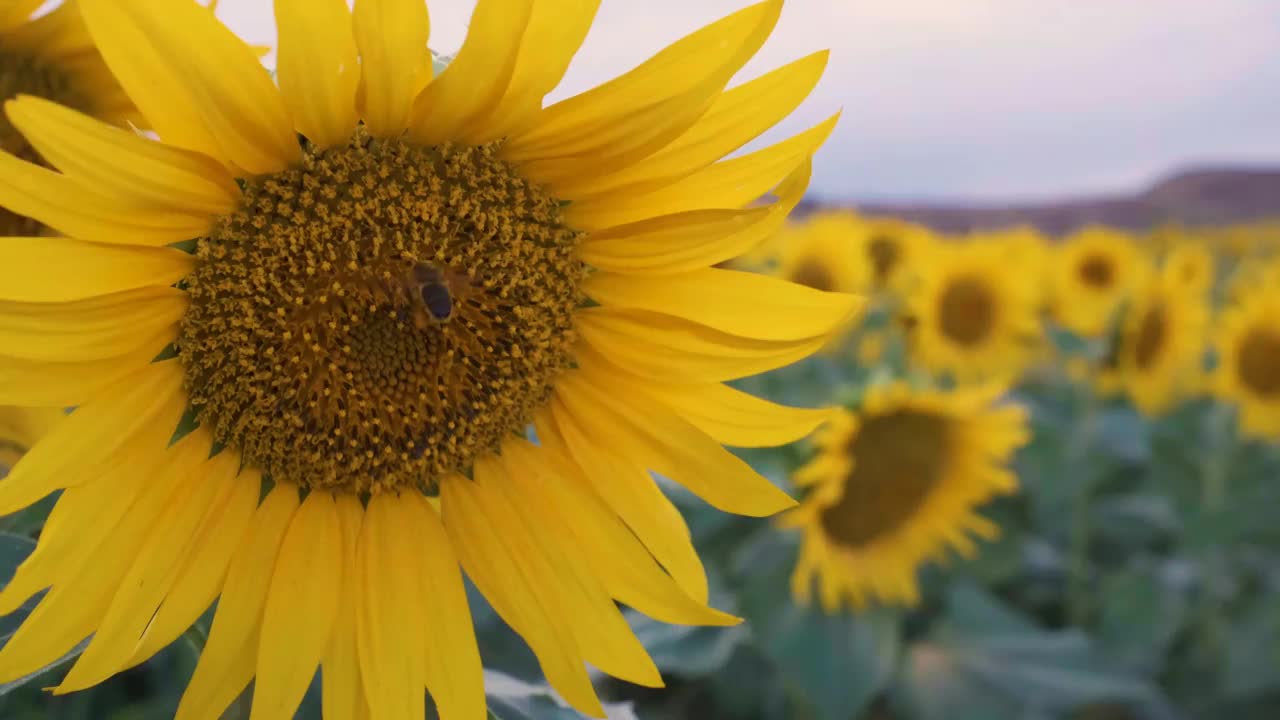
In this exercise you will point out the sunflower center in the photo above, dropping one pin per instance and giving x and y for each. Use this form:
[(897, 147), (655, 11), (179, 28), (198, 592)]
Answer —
[(967, 311), (884, 252), (380, 315), (815, 274), (21, 74), (1096, 272), (1150, 338), (1258, 362), (898, 460)]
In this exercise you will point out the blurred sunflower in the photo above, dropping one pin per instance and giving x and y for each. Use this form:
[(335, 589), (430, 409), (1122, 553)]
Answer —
[(388, 284), (21, 427), (974, 313), (1094, 272), (895, 485), (821, 253), (1248, 368), (1191, 265), (1162, 341), (51, 56), (891, 250)]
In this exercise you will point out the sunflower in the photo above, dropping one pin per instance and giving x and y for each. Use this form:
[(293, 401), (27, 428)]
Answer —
[(974, 313), (307, 331), (1095, 270), (895, 485), (1161, 343), (1192, 265), (821, 253), (21, 427), (1248, 368), (52, 56), (890, 250)]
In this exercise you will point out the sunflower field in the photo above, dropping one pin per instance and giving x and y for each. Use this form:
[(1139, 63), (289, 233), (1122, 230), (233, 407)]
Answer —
[(367, 382)]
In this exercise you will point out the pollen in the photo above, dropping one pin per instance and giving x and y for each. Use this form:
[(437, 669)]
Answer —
[(380, 315), (24, 75)]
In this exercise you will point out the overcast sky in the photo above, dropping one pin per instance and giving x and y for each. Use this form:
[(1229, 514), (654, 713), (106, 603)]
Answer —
[(977, 99)]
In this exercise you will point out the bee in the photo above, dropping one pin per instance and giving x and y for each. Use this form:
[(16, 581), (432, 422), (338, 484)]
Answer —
[(433, 291)]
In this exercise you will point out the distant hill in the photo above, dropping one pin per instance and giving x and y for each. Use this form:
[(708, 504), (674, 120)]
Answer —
[(1205, 196)]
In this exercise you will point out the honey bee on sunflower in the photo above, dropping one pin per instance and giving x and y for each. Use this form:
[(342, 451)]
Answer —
[(307, 330), (1247, 375), (895, 484), (1094, 272), (974, 314)]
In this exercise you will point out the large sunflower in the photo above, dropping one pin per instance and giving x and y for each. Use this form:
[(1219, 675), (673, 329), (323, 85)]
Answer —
[(52, 56), (821, 253), (973, 312), (1248, 369), (361, 288), (896, 485), (1095, 271), (1161, 343)]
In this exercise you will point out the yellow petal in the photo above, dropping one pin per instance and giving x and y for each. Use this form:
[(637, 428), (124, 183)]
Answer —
[(342, 694), (21, 427), (565, 127), (301, 606), (61, 269), (82, 595), (476, 79), (154, 567), (694, 239), (227, 662), (663, 347), (200, 579), (480, 525), (730, 416), (90, 329), (632, 494), (740, 303), (57, 36), (647, 433), (318, 68), (121, 164), (74, 209), (555, 32), (627, 570), (41, 383), (390, 626), (735, 118), (641, 120), (394, 61), (197, 83), (86, 442), (16, 12), (454, 674), (727, 184)]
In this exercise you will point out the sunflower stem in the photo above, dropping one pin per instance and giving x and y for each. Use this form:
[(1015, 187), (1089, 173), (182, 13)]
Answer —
[(1213, 492), (1077, 599)]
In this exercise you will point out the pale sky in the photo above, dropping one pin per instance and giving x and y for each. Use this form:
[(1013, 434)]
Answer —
[(976, 99)]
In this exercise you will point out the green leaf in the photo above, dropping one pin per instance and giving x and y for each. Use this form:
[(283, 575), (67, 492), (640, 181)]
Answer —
[(1141, 615)]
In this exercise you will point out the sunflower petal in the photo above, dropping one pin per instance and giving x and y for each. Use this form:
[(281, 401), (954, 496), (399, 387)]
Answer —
[(657, 346), (647, 433), (302, 603), (72, 208), (555, 32), (390, 626), (739, 303), (122, 164), (737, 117), (499, 563), (342, 695), (90, 329), (200, 86), (727, 184), (694, 239), (394, 61), (227, 662), (48, 269), (16, 12), (476, 79), (90, 436), (41, 383), (632, 494), (319, 68)]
